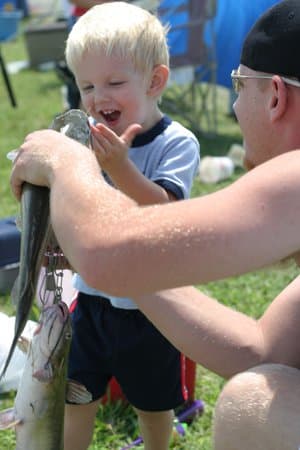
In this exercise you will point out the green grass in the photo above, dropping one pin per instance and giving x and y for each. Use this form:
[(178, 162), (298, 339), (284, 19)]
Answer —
[(39, 99)]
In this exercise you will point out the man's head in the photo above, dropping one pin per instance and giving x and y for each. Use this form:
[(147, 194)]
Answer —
[(122, 30), (268, 84)]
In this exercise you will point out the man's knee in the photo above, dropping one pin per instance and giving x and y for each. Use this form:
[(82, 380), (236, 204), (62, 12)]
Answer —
[(259, 409)]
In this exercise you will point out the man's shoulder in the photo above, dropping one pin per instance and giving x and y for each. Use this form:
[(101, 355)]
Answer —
[(287, 162), (275, 182)]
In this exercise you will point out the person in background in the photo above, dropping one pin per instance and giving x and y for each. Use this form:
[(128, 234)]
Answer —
[(119, 56), (74, 9), (248, 225), (82, 6)]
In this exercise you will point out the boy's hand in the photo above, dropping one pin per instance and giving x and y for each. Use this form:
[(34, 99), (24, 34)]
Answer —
[(110, 149)]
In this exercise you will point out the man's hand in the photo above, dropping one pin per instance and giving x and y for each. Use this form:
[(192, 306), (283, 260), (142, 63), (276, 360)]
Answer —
[(42, 155)]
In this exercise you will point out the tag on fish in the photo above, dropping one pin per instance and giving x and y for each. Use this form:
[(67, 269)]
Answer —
[(50, 282)]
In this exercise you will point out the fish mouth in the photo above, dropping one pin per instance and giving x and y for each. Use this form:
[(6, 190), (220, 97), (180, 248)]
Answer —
[(56, 322), (64, 309), (56, 311)]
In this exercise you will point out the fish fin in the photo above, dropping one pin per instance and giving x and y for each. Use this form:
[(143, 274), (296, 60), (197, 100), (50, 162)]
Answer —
[(15, 292), (18, 330), (19, 222), (8, 419), (23, 344), (9, 356), (77, 393)]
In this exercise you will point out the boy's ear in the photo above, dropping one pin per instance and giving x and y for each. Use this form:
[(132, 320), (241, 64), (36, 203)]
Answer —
[(158, 80)]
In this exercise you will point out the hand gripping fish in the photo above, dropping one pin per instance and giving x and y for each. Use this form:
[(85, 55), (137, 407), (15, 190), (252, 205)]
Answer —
[(38, 411), (36, 229)]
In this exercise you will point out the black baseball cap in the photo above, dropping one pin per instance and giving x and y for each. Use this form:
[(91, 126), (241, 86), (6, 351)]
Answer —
[(273, 43)]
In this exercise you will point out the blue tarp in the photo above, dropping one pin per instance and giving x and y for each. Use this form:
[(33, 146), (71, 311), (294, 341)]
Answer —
[(10, 239), (233, 20), (231, 23), (175, 13)]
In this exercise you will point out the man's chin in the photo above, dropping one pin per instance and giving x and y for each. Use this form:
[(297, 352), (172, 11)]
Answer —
[(296, 258), (284, 263), (248, 164)]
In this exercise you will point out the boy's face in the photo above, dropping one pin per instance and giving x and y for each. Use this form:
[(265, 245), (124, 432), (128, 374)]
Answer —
[(114, 93)]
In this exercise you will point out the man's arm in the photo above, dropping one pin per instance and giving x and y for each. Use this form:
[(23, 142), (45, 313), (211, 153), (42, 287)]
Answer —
[(127, 250), (221, 339)]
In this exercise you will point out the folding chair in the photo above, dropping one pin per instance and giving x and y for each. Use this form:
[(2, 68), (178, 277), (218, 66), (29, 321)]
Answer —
[(192, 93)]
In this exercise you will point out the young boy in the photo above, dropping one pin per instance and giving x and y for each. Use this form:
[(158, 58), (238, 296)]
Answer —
[(119, 56)]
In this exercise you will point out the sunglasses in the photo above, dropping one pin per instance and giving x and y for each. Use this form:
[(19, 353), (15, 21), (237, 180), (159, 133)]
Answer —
[(237, 80)]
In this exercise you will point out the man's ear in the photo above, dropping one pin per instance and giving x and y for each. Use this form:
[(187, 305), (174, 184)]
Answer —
[(279, 99), (158, 80)]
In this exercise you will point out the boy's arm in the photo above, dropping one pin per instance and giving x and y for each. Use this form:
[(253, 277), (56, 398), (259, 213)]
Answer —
[(138, 187), (112, 154)]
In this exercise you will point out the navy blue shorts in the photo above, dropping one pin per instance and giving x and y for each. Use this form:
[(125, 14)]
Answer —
[(109, 341)]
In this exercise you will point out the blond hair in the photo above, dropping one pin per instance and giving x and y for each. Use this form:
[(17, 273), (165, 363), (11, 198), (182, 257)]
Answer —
[(122, 30)]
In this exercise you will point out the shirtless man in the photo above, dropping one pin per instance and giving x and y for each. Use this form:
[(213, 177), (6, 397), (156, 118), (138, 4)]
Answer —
[(250, 224)]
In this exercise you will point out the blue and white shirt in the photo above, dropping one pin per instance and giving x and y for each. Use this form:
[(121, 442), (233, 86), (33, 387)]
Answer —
[(168, 154)]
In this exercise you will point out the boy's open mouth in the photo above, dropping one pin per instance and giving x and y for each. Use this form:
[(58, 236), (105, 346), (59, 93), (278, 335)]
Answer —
[(110, 115)]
